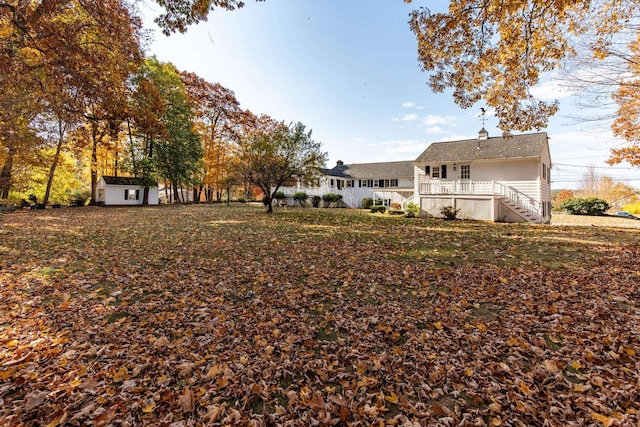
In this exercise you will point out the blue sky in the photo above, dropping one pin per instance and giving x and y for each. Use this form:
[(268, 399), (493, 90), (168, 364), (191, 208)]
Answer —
[(349, 71)]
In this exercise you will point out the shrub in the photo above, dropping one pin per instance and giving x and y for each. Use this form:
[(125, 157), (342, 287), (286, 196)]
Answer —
[(395, 206), (80, 197), (315, 201), (241, 200), (378, 208), (396, 212), (366, 203), (412, 209), (632, 208), (300, 197), (588, 206), (449, 213), (331, 198), (279, 195)]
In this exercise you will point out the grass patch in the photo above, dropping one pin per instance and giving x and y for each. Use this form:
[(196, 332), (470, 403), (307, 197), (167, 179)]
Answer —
[(326, 311)]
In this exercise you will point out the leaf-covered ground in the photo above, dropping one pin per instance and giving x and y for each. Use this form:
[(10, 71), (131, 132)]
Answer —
[(210, 315)]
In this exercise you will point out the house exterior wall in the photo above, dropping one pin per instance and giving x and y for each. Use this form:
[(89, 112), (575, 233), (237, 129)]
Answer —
[(353, 192), (479, 196), (471, 207), (115, 194)]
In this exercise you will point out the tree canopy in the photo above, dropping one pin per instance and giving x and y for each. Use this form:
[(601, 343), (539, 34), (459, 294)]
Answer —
[(278, 153), (496, 52)]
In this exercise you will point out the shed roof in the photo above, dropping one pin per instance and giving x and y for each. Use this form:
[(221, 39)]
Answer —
[(371, 170), (124, 180), (512, 147)]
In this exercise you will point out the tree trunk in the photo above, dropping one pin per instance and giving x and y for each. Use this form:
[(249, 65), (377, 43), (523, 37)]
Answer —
[(176, 193), (62, 129), (52, 171), (94, 161), (145, 195), (5, 173)]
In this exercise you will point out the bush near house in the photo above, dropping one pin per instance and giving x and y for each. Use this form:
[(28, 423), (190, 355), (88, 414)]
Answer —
[(449, 213), (300, 197), (378, 209), (366, 203), (315, 201), (411, 210), (331, 198), (589, 206)]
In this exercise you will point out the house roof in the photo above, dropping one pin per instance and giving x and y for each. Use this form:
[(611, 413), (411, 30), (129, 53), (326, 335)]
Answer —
[(513, 147), (123, 180), (371, 170)]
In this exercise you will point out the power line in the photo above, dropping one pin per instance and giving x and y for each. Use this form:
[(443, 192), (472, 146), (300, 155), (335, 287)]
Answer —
[(597, 167)]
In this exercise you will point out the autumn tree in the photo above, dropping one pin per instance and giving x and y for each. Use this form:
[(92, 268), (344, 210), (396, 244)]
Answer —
[(627, 122), (592, 184), (74, 49), (278, 153), (19, 106), (163, 143), (181, 13), (217, 115)]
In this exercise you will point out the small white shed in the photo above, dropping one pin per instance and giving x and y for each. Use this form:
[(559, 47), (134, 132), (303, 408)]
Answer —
[(118, 190)]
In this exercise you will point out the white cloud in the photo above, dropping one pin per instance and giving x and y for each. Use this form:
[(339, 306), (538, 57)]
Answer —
[(408, 104), (407, 118), (407, 149), (434, 130), (550, 90), (432, 120)]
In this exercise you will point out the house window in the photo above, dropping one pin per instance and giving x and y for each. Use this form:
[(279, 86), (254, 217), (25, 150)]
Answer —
[(427, 170), (435, 172), (465, 172), (101, 195), (131, 194), (363, 183), (349, 183), (394, 183), (443, 171), (331, 183), (549, 174)]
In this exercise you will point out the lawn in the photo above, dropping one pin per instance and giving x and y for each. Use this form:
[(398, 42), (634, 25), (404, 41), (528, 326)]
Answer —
[(216, 315)]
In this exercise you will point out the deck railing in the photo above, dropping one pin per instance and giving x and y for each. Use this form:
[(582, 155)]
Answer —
[(515, 198)]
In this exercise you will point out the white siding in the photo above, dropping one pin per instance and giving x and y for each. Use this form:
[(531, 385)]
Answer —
[(115, 194), (353, 195)]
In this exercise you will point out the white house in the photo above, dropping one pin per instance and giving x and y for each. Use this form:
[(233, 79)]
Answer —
[(118, 190), (496, 179), (391, 182)]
